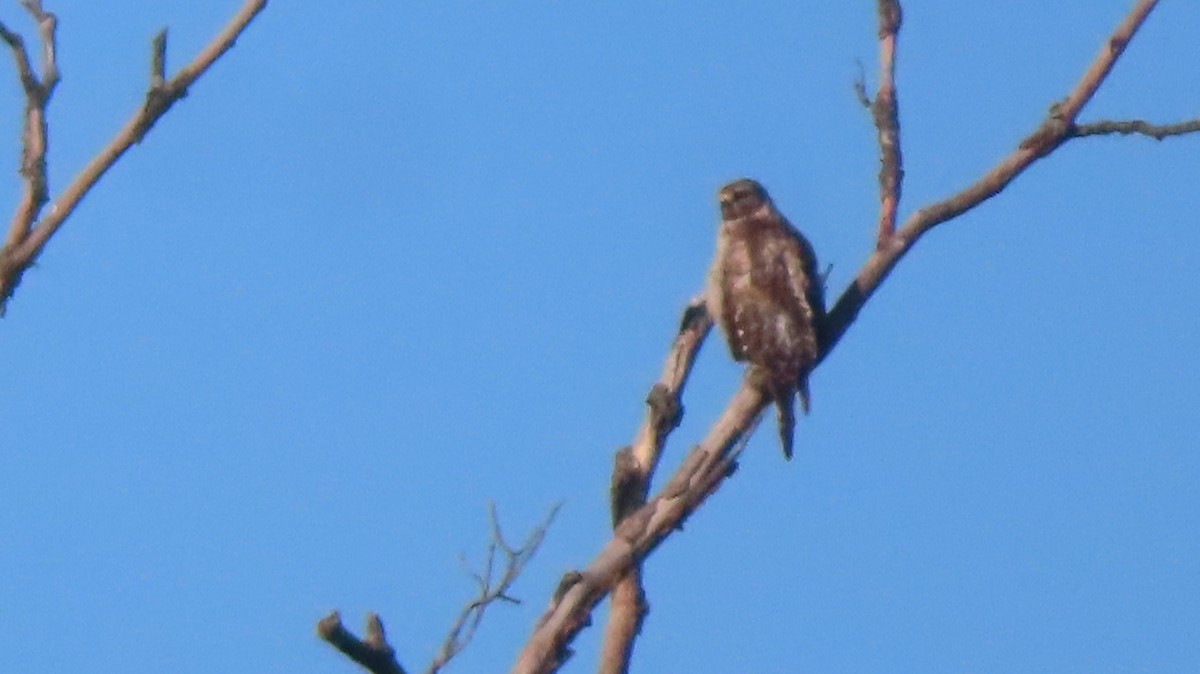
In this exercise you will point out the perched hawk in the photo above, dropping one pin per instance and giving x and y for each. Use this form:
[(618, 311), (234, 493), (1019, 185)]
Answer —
[(765, 293)]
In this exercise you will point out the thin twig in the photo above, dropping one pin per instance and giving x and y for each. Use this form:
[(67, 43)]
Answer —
[(158, 60), (27, 239), (860, 87), (490, 592), (376, 655), (1135, 126), (16, 43)]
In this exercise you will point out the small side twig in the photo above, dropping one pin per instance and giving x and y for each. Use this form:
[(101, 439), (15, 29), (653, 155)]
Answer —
[(378, 657), (1135, 126), (860, 87), (47, 25), (158, 60), (491, 589)]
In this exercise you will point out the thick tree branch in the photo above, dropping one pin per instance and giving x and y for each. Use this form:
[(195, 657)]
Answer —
[(702, 471), (633, 472), (664, 408), (26, 239)]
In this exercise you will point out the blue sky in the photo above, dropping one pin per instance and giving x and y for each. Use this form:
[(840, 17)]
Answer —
[(390, 261)]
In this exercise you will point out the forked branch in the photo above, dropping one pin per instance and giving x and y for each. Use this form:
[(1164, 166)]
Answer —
[(503, 564), (1056, 129), (372, 652), (31, 228), (633, 471), (492, 589), (704, 469)]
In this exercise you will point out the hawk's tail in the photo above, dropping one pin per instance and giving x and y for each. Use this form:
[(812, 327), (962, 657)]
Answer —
[(785, 408)]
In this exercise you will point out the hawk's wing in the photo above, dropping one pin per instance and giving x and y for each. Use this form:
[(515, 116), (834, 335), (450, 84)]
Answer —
[(785, 274)]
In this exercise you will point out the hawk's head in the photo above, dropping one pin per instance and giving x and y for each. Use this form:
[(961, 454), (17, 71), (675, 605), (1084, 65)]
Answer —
[(742, 197)]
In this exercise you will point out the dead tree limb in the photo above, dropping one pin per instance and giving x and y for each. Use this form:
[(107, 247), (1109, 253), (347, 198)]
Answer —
[(886, 112), (706, 466), (491, 588), (1135, 126), (373, 651), (632, 474), (1054, 130), (38, 91), (31, 228), (702, 471), (493, 580)]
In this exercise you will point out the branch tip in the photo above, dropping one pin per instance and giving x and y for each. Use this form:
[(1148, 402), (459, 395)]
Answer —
[(27, 235), (1136, 127), (860, 86), (158, 60), (373, 653), (490, 590)]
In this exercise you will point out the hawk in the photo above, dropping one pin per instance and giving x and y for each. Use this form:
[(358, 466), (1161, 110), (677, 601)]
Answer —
[(765, 293)]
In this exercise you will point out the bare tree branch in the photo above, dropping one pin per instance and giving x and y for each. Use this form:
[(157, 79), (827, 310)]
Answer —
[(1135, 126), (664, 410), (27, 238), (885, 110), (374, 652), (47, 24), (158, 60), (702, 471), (627, 612), (34, 141), (376, 655), (714, 459), (491, 591), (633, 472), (1055, 130)]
